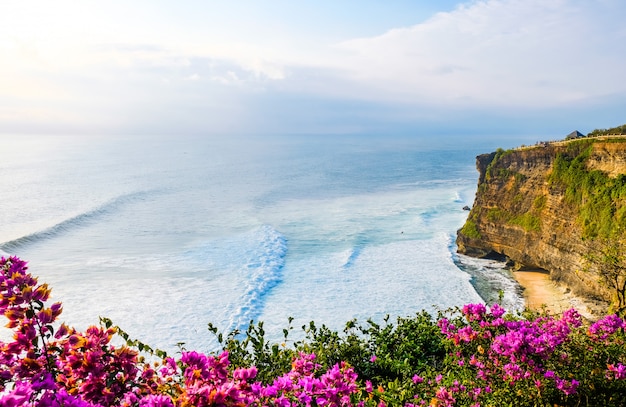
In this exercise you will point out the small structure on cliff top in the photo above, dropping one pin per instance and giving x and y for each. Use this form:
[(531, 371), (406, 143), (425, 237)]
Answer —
[(573, 135)]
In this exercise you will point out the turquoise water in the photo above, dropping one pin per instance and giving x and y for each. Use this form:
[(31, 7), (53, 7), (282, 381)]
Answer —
[(165, 235)]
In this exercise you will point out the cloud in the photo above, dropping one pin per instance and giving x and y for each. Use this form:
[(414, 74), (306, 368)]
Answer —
[(497, 52)]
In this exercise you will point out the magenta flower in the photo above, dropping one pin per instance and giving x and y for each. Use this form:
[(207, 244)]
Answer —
[(606, 326), (445, 397), (567, 387), (497, 311), (18, 397), (156, 400), (616, 372), (474, 312)]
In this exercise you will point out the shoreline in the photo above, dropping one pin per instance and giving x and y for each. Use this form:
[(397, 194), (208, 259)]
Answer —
[(542, 293)]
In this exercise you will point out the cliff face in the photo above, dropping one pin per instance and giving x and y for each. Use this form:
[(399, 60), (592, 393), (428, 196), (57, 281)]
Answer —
[(537, 207)]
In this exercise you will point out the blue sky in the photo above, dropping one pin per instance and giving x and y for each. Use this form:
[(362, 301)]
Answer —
[(520, 67)]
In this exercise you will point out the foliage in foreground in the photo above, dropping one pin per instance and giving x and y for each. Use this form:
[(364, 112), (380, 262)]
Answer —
[(473, 357)]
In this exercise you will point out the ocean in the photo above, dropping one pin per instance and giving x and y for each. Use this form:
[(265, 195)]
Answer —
[(166, 234)]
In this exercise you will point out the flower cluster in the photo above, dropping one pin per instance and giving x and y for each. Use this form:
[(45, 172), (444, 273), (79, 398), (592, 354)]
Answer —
[(300, 387), (49, 364), (526, 354), (606, 327), (83, 369)]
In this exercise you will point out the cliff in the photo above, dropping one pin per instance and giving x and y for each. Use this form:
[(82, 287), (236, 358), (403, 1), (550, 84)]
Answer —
[(559, 207)]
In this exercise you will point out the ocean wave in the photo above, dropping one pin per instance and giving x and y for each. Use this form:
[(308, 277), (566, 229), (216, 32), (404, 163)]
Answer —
[(492, 281), (362, 239), (427, 216), (262, 272), (74, 222), (457, 197), (351, 257)]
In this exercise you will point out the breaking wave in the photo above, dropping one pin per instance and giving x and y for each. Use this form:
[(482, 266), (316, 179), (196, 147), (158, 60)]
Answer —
[(74, 222), (262, 272)]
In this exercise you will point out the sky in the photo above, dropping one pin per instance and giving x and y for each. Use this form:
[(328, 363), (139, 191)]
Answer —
[(540, 67)]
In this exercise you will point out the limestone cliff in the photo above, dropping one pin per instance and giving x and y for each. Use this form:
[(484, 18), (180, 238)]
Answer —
[(551, 206)]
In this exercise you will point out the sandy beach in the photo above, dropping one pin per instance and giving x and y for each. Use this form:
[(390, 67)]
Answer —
[(540, 292)]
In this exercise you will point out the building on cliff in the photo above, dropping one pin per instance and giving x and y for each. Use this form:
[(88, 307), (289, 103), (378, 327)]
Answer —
[(574, 135)]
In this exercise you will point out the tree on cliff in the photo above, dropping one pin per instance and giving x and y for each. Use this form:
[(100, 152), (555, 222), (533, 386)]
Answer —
[(611, 264)]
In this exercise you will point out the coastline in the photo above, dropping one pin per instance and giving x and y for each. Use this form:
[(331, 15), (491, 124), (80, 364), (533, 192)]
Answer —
[(542, 293)]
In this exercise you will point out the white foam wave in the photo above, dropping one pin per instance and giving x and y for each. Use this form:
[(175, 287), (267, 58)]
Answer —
[(74, 221), (261, 274), (493, 280), (353, 254)]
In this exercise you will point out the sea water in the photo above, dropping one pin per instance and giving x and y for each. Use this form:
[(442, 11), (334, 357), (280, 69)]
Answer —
[(166, 234)]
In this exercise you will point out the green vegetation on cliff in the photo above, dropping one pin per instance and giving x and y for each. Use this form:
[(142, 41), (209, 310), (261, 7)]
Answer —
[(599, 199), (470, 229), (528, 221), (603, 132), (495, 171)]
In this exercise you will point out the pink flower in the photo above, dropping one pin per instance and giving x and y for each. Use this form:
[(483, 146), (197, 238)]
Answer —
[(156, 401), (497, 311), (474, 312), (606, 326), (567, 387), (616, 372), (445, 396)]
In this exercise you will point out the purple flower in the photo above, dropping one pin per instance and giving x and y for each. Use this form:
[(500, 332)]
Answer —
[(155, 400), (572, 317), (19, 396), (606, 326), (474, 312), (445, 396), (616, 372), (567, 387), (512, 372), (497, 311)]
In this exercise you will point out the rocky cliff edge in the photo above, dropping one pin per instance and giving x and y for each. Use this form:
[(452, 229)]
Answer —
[(556, 206)]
